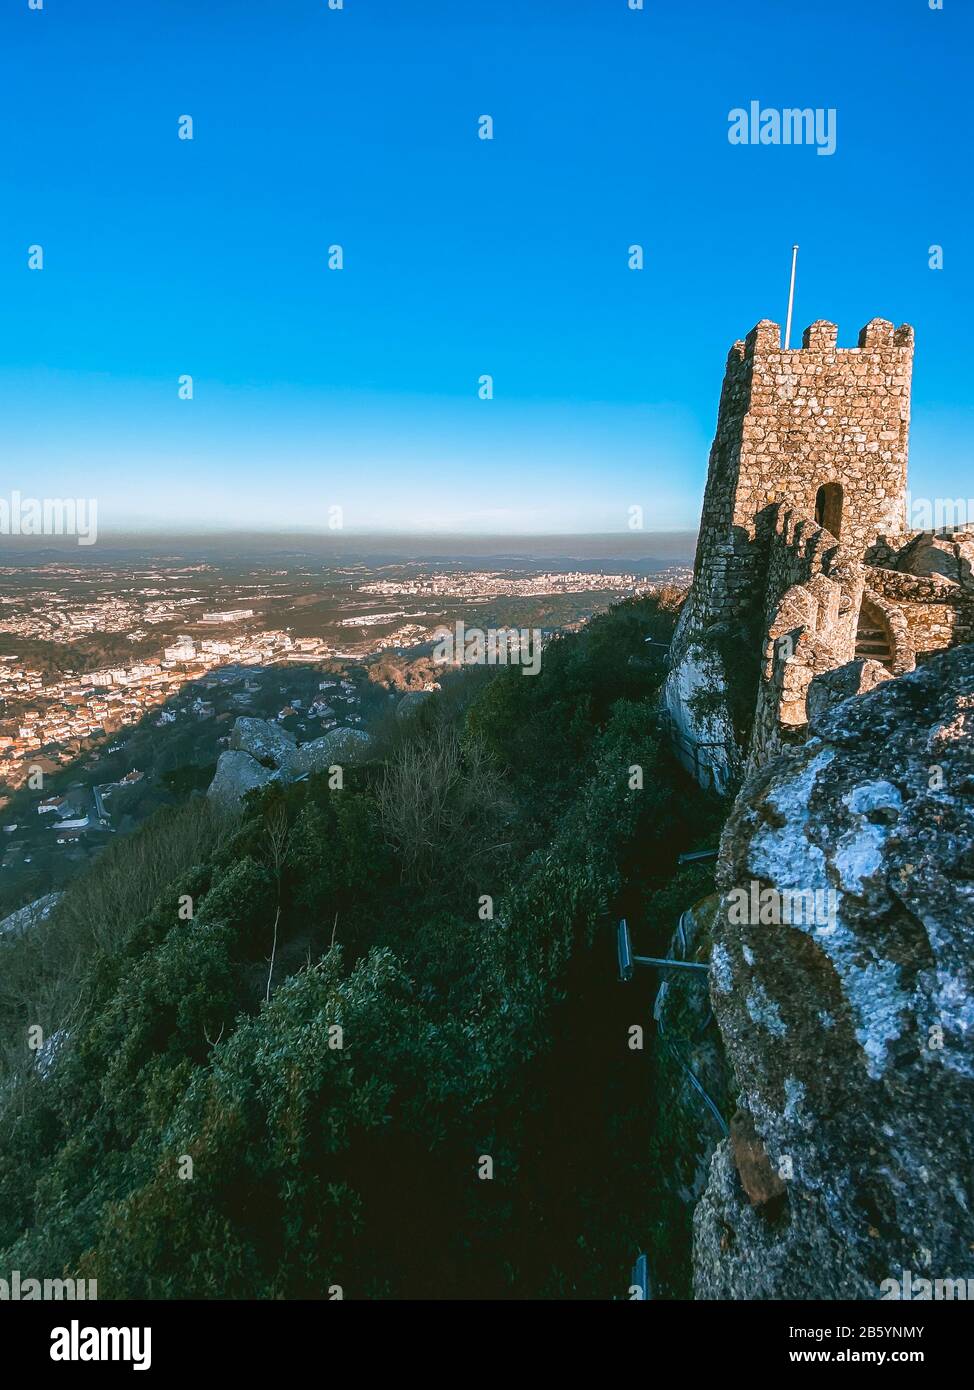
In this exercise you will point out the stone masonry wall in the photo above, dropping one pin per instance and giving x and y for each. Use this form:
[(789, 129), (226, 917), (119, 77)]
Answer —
[(814, 589), (824, 414), (937, 614), (789, 423)]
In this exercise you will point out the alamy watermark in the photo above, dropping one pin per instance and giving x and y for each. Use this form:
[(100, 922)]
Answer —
[(503, 646), (938, 513), (49, 516), (756, 906), (77, 1343), (789, 125), (916, 1288), (18, 1289)]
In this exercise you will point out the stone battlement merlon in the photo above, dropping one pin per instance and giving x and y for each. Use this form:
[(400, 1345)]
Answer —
[(877, 335)]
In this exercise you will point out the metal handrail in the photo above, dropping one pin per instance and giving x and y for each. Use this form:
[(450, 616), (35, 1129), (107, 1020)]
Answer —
[(639, 1278), (627, 965), (628, 962), (692, 1077)]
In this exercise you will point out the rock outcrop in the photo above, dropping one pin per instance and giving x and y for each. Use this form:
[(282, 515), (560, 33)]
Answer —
[(842, 979), (237, 773), (267, 742), (337, 746), (30, 916), (262, 752)]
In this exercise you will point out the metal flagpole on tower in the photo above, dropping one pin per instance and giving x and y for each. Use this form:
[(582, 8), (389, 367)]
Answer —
[(791, 297)]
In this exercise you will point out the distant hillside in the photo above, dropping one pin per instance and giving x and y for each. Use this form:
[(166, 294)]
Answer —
[(370, 1036)]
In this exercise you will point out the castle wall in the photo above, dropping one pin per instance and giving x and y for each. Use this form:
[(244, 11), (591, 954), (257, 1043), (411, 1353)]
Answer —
[(790, 423), (937, 614), (814, 589), (725, 567)]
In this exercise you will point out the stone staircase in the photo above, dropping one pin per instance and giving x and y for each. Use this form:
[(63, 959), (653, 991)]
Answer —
[(874, 643)]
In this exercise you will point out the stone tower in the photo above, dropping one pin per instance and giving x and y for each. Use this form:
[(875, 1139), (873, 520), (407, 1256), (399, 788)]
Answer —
[(816, 435), (821, 431)]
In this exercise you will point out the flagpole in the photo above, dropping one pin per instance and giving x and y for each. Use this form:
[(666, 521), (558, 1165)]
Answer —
[(791, 297)]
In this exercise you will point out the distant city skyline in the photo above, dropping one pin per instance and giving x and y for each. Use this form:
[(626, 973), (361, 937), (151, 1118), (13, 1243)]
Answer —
[(358, 388)]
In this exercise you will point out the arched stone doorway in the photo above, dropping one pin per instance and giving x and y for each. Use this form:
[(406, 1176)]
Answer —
[(873, 637), (828, 508)]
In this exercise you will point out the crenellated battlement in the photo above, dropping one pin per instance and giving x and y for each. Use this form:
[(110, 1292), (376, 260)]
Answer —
[(822, 336)]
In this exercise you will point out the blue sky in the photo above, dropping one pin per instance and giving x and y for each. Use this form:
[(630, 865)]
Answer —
[(316, 388)]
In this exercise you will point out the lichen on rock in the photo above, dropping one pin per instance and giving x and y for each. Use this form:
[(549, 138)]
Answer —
[(862, 1099), (261, 752), (237, 773)]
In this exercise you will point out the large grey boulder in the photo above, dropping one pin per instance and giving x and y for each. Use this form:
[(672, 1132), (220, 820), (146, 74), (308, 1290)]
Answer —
[(848, 1018), (263, 740), (237, 773), (338, 747), (30, 916)]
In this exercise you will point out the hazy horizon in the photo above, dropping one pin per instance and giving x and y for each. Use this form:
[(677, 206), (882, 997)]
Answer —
[(636, 548)]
